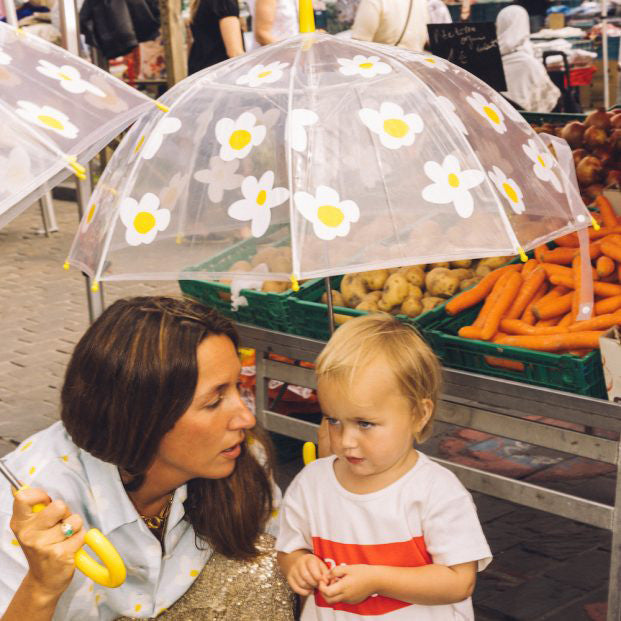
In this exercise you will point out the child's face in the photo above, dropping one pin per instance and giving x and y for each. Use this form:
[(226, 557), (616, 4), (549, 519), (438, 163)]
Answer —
[(372, 426)]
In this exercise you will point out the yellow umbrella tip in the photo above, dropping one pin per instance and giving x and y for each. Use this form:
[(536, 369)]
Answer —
[(66, 265), (95, 286), (307, 16)]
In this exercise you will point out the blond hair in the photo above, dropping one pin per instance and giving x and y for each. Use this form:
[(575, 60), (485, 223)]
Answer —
[(362, 340)]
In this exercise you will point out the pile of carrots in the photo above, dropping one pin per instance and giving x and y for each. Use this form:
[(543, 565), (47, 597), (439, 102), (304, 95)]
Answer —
[(534, 304)]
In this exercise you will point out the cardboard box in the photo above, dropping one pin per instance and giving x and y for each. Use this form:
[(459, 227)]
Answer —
[(614, 196), (610, 348)]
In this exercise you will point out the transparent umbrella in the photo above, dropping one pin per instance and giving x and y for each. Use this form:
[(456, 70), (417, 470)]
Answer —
[(57, 112), (356, 155)]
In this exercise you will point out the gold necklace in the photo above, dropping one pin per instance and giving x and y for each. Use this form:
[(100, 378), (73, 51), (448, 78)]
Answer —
[(155, 522)]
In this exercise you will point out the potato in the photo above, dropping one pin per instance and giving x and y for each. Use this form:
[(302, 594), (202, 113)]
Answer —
[(275, 286), (462, 263), (263, 255), (240, 266), (279, 263), (412, 307), (494, 262), (372, 296), (368, 305), (414, 275), (431, 302), (482, 270), (374, 279), (440, 282), (353, 289), (414, 291), (462, 273), (466, 283), (394, 292), (440, 264), (340, 319), (337, 298)]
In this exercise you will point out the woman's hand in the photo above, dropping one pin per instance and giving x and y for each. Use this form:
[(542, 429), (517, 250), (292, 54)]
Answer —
[(50, 554)]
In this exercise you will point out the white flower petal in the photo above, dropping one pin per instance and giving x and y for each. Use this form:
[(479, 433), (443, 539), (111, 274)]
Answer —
[(436, 193), (471, 178), (224, 129), (464, 204), (260, 222), (277, 196), (434, 171), (326, 196), (250, 188), (149, 202), (241, 210)]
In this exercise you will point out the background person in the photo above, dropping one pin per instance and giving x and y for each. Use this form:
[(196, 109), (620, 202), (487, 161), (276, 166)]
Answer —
[(153, 450), (529, 86), (274, 20), (216, 33)]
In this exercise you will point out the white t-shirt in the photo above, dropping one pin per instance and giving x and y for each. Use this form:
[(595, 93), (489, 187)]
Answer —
[(426, 516)]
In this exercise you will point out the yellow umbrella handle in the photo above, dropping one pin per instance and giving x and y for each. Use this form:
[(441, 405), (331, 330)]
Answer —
[(112, 573), (309, 453)]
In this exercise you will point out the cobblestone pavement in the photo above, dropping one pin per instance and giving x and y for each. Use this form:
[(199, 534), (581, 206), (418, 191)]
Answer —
[(545, 567)]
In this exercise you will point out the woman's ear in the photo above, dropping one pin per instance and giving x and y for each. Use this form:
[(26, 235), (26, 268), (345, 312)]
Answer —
[(422, 415)]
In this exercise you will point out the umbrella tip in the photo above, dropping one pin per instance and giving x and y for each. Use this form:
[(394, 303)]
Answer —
[(162, 107), (295, 285), (66, 266), (595, 223), (95, 286), (307, 16), (523, 255)]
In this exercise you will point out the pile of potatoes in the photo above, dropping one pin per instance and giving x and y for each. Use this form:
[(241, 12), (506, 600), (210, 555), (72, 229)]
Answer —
[(411, 290), (278, 260)]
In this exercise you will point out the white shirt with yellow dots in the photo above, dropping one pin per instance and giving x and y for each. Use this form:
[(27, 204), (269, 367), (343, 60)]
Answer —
[(92, 488)]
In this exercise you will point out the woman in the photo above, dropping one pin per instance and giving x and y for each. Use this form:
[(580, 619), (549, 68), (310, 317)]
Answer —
[(216, 33), (528, 85), (153, 451), (274, 20)]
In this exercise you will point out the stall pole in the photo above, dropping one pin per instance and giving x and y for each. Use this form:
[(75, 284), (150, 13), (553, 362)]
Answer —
[(614, 579), (172, 37), (11, 13), (604, 16), (70, 34), (329, 302)]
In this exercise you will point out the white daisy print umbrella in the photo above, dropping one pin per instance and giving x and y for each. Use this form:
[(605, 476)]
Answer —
[(58, 111), (354, 155)]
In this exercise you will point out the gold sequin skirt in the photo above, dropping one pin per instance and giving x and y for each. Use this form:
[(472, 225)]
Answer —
[(230, 590)]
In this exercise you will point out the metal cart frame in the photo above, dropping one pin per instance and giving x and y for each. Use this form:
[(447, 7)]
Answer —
[(490, 405)]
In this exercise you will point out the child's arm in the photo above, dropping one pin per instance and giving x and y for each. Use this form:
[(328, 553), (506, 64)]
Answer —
[(303, 570), (428, 585)]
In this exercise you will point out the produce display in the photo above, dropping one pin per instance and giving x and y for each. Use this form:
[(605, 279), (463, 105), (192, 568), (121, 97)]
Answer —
[(534, 305), (410, 290), (596, 149), (277, 260)]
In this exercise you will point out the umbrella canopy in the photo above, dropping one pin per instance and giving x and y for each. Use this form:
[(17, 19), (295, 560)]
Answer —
[(57, 110), (357, 155)]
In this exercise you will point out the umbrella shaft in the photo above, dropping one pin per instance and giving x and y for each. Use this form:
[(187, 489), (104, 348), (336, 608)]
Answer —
[(10, 477)]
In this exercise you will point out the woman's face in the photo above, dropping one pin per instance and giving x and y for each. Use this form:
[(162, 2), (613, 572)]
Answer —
[(205, 441)]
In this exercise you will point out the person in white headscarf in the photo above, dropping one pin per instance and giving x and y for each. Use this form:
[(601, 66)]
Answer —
[(397, 22), (528, 83)]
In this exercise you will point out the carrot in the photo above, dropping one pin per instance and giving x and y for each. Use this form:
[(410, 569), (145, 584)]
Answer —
[(546, 323), (552, 268), (615, 238), (528, 267), (604, 289), (603, 231), (504, 301), (612, 250), (575, 300), (603, 322), (539, 250), (554, 342), (604, 266), (618, 272), (469, 332), (569, 241), (607, 305), (530, 286), (473, 296), (579, 352), (515, 326), (553, 307), (565, 321), (609, 218), (505, 363), (527, 315), (560, 255)]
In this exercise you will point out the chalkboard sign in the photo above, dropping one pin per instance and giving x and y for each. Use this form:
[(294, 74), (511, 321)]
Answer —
[(471, 46)]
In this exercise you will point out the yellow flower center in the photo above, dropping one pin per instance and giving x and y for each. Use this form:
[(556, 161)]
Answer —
[(453, 180), (510, 192), (14, 542), (491, 114), (330, 215), (193, 573), (65, 457), (64, 76), (540, 160), (139, 144), (26, 446), (264, 74), (239, 139), (430, 60), (261, 197), (365, 65), (91, 213), (144, 222), (396, 128), (50, 121), (137, 607), (32, 470)]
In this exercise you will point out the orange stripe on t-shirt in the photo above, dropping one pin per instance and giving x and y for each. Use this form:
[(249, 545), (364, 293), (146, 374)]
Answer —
[(412, 553)]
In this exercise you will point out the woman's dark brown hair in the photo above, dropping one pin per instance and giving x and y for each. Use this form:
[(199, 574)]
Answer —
[(130, 378)]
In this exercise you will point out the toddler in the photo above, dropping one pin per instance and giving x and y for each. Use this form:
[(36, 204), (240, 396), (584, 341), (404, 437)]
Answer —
[(378, 530)]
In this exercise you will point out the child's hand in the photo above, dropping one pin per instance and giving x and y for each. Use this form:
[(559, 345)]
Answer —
[(351, 584), (306, 573)]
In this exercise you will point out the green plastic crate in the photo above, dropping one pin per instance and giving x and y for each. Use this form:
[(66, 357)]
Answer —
[(267, 310), (308, 315), (579, 375), (556, 118)]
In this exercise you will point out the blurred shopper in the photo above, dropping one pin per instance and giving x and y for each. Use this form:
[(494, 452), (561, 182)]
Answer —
[(274, 20), (529, 86), (216, 33), (536, 10), (438, 12)]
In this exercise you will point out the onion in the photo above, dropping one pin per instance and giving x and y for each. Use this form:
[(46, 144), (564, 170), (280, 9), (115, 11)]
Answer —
[(613, 177), (615, 138), (588, 170), (578, 154), (595, 136), (594, 190), (573, 133), (598, 118), (615, 121), (605, 153)]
